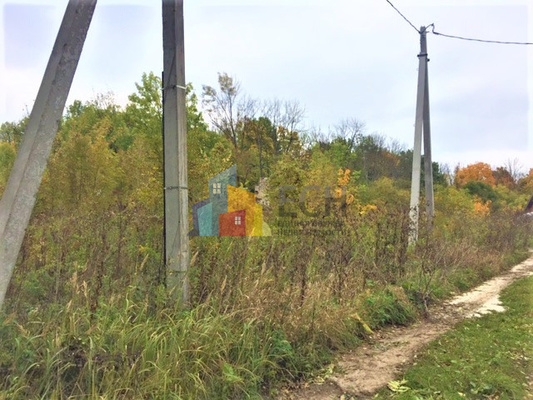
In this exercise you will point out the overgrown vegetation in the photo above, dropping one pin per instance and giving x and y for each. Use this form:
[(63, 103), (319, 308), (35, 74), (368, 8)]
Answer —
[(87, 314), (460, 365)]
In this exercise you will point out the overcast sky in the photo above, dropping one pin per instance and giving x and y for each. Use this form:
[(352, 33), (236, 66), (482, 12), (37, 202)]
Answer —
[(339, 59)]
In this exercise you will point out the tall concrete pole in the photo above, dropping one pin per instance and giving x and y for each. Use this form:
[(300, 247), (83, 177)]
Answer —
[(175, 151), (19, 195), (417, 149), (428, 162)]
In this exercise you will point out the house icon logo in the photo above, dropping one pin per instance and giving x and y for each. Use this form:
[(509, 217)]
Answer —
[(229, 210)]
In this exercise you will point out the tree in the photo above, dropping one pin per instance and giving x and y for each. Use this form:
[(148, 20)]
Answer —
[(481, 190), (146, 102), (259, 133), (11, 132), (503, 177), (285, 118), (526, 182), (374, 160), (82, 171), (479, 172), (144, 113), (83, 117), (285, 114), (7, 158), (351, 130), (439, 176), (515, 169), (227, 108)]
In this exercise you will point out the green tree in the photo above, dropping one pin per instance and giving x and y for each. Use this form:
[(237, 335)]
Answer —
[(12, 132), (83, 117), (8, 153), (482, 190), (374, 160), (144, 115)]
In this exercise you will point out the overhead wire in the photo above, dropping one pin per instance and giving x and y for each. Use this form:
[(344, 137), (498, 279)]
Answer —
[(403, 16), (478, 40), (456, 36)]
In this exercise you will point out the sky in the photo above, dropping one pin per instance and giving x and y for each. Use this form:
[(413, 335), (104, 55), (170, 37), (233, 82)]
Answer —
[(340, 59)]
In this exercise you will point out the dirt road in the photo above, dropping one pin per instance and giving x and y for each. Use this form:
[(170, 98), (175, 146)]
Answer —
[(371, 366)]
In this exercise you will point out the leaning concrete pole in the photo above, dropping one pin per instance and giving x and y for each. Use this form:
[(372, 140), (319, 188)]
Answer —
[(417, 149), (19, 195), (175, 152)]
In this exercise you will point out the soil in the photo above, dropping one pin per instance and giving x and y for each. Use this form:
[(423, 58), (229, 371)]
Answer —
[(390, 351)]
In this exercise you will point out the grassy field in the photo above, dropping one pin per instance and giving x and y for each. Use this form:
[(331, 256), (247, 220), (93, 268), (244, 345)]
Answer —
[(239, 341), (485, 358)]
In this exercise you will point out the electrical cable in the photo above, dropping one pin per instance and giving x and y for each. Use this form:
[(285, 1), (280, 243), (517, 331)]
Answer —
[(455, 36), (478, 40), (403, 16)]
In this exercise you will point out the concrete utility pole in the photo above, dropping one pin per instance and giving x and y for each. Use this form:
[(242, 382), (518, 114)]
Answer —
[(428, 161), (19, 195), (175, 152), (421, 124)]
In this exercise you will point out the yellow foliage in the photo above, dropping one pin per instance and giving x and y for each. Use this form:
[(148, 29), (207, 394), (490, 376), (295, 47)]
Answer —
[(343, 177), (83, 171), (368, 208), (350, 198), (478, 172), (481, 208)]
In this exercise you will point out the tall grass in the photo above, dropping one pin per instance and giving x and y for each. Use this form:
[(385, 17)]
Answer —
[(87, 315), (125, 351)]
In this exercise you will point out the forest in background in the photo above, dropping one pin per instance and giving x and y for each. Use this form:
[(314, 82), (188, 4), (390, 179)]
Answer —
[(87, 313)]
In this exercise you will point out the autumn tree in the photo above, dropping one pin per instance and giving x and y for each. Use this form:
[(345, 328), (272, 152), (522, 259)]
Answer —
[(503, 177), (526, 182), (478, 172)]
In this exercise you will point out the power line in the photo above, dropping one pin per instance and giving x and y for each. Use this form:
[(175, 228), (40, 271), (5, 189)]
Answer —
[(455, 36), (478, 40), (403, 16)]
